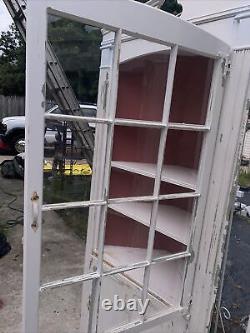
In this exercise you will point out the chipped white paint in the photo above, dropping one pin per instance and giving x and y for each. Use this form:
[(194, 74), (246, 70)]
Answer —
[(210, 251), (33, 182), (222, 131)]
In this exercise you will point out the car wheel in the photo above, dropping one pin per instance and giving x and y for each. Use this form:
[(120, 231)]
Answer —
[(18, 144)]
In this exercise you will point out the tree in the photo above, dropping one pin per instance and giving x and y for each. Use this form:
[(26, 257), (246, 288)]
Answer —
[(173, 7), (170, 6), (12, 63), (78, 48)]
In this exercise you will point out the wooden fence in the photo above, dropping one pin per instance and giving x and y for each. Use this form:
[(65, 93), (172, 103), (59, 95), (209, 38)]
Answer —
[(11, 106)]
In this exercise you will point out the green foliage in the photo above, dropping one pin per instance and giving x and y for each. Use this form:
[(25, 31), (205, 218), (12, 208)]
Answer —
[(78, 49), (172, 6), (244, 179), (12, 63), (68, 189)]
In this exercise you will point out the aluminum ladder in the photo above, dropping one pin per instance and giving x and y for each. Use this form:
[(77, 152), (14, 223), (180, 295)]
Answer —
[(57, 83)]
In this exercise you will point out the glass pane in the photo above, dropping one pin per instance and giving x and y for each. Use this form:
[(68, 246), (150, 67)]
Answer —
[(142, 81), (173, 226), (191, 89), (135, 153), (166, 281), (67, 173), (87, 63), (136, 145), (77, 47), (174, 220), (60, 309), (128, 184), (168, 188), (182, 158), (126, 237), (121, 301), (64, 244), (165, 245)]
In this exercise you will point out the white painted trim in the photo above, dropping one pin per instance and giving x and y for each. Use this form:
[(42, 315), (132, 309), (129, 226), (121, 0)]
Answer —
[(33, 182), (158, 171), (242, 16), (100, 224), (112, 15), (213, 117), (120, 16), (189, 127), (216, 219), (226, 14), (150, 323)]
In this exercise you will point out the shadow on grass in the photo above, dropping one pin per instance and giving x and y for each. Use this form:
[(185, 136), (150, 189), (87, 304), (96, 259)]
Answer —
[(58, 189)]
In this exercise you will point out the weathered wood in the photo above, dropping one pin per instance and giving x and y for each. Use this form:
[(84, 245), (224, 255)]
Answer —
[(12, 106)]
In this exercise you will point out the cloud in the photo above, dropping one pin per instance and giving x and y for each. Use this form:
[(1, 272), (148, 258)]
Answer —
[(5, 18)]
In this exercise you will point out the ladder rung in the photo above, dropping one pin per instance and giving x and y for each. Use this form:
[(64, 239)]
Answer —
[(19, 14), (56, 80)]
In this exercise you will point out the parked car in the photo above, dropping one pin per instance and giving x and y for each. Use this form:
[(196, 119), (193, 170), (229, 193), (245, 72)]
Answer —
[(12, 129), (239, 207)]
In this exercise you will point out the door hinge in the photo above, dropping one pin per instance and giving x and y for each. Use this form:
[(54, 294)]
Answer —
[(226, 69)]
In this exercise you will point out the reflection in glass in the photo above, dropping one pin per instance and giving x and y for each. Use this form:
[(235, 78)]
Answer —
[(63, 243)]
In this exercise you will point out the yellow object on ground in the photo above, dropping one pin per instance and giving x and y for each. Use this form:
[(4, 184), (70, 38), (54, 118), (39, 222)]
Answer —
[(78, 169)]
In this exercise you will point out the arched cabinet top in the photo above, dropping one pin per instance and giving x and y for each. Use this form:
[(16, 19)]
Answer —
[(138, 20)]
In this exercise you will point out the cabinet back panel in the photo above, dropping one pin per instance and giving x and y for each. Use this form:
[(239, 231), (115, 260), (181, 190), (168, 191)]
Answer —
[(168, 188), (142, 85), (186, 203), (136, 144), (191, 90), (127, 184), (183, 148), (124, 231)]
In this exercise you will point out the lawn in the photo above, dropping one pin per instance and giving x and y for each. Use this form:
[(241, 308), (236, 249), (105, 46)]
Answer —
[(244, 179)]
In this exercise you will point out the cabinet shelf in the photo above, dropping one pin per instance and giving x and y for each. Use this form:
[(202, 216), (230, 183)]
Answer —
[(117, 256), (164, 274), (171, 221), (173, 174)]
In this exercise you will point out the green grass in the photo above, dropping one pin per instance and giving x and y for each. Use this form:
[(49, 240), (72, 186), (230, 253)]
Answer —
[(68, 189), (244, 179)]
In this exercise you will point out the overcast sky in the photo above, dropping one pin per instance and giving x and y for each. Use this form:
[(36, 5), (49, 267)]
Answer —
[(192, 8), (5, 19)]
